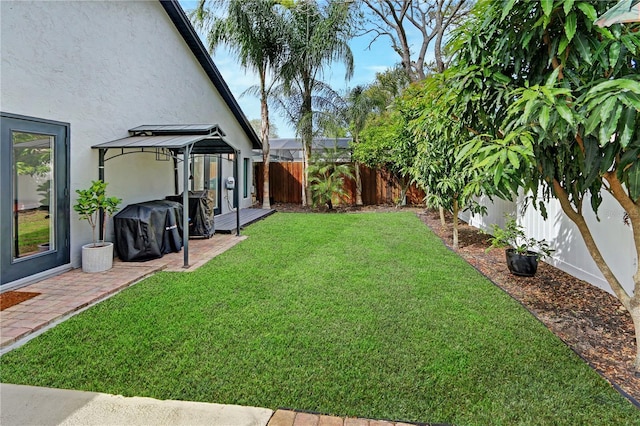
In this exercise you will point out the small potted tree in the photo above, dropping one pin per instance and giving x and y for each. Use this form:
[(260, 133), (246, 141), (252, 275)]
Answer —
[(522, 253), (98, 255)]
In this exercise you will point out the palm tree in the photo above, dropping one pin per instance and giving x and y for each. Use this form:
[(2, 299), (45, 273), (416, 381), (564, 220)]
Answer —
[(326, 177), (358, 108), (252, 30), (317, 36)]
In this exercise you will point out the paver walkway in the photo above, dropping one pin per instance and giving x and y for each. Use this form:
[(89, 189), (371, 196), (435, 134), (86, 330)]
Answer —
[(72, 291), (295, 418)]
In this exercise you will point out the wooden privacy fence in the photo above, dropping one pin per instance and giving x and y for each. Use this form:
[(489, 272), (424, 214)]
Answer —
[(378, 186)]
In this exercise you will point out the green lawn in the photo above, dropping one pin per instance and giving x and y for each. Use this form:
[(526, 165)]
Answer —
[(364, 315)]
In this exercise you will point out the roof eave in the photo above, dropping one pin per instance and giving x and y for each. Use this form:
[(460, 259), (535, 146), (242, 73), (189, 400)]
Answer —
[(186, 30)]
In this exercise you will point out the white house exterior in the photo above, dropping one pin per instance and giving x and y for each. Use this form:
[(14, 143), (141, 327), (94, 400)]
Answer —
[(614, 238), (75, 74)]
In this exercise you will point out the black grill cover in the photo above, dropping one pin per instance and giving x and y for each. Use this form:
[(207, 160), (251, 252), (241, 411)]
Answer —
[(148, 230), (201, 206)]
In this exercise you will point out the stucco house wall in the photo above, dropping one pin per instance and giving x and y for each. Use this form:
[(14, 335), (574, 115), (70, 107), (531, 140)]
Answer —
[(105, 67)]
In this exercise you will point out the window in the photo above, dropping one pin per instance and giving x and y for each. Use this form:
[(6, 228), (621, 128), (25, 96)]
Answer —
[(245, 186)]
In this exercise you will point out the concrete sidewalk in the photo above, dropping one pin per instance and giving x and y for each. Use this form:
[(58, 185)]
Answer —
[(29, 405)]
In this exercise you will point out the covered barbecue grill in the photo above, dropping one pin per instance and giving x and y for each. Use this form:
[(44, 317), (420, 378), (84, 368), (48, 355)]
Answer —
[(148, 230), (201, 208)]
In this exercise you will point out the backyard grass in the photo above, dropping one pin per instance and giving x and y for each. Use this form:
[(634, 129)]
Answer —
[(366, 315), (33, 230)]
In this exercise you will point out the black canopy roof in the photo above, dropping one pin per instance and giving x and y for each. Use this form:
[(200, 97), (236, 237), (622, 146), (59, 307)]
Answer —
[(200, 138)]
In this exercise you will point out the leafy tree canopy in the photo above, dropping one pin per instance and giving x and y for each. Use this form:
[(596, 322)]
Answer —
[(540, 77)]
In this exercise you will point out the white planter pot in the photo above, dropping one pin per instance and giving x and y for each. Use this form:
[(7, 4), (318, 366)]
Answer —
[(97, 258)]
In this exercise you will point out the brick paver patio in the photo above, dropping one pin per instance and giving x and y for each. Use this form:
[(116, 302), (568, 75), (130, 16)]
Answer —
[(63, 295), (295, 418)]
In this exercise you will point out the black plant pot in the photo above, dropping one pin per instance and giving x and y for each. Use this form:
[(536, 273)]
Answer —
[(523, 265)]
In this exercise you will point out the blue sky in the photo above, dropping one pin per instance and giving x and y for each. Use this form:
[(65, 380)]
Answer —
[(367, 60)]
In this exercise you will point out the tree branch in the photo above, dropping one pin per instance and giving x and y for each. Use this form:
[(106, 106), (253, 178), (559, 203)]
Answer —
[(583, 228)]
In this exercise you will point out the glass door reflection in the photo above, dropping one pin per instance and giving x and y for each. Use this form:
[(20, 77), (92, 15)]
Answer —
[(33, 227)]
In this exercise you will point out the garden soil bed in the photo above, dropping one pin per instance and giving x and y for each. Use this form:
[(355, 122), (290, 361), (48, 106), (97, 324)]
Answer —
[(589, 320), (12, 298)]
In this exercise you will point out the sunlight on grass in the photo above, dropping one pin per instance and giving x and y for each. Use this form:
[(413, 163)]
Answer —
[(365, 315)]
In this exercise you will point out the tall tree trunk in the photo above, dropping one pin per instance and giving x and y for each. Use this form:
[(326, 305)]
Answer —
[(443, 223), (304, 175), (356, 166), (264, 129), (306, 190), (307, 139), (358, 184), (631, 303), (455, 223)]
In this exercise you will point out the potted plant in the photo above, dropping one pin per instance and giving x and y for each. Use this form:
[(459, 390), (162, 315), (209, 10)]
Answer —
[(522, 253), (91, 202)]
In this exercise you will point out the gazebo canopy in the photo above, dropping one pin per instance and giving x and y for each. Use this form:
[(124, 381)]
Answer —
[(200, 138), (176, 139)]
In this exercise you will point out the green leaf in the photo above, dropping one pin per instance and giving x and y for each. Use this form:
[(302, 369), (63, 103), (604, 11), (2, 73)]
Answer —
[(592, 160), (527, 38), (583, 48), (547, 7), (593, 119), (607, 107), (629, 157), (528, 109), (507, 8), (609, 155), (565, 113), (488, 161), (501, 77), (628, 42), (513, 159), (608, 127), (568, 5), (614, 54), (634, 181), (628, 121), (588, 10), (498, 174), (570, 25), (544, 117), (630, 99), (616, 84), (564, 42), (469, 147), (550, 82), (605, 32)]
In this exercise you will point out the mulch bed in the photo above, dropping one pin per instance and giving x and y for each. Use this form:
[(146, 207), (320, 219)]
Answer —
[(589, 320), (11, 298)]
